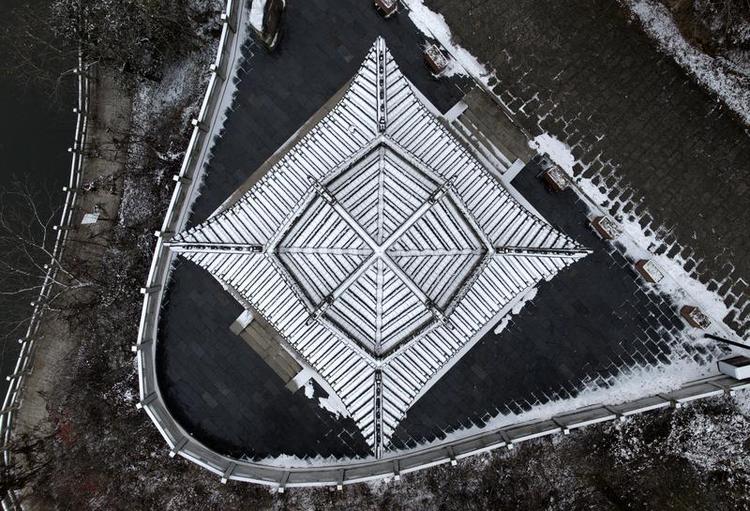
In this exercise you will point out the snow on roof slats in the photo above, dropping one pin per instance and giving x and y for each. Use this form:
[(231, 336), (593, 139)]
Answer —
[(339, 139), (475, 195), (405, 124), (229, 265), (360, 406), (419, 366), (392, 412), (279, 192), (270, 208), (411, 137), (436, 152), (358, 389), (515, 271), (411, 375), (426, 150), (420, 350), (291, 182), (396, 397), (400, 107), (355, 383), (401, 385), (295, 316), (416, 140), (342, 359), (238, 269), (326, 352), (435, 350), (234, 268), (348, 368), (251, 218), (330, 148), (308, 338)]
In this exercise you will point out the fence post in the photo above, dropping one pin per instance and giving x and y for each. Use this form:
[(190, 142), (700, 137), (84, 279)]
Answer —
[(228, 473), (178, 447), (229, 20)]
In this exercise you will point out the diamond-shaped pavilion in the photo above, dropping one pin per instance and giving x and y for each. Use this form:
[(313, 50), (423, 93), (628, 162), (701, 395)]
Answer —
[(378, 247)]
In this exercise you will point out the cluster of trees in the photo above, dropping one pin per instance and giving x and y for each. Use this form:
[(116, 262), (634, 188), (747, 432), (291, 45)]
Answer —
[(138, 37)]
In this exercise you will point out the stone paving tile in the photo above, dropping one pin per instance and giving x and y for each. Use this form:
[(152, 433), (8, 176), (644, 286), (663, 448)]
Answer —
[(667, 151)]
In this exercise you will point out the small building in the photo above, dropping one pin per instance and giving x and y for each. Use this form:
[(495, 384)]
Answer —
[(649, 270), (605, 227), (694, 316), (377, 247)]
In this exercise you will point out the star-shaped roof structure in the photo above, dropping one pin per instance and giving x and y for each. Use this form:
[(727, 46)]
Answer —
[(378, 247)]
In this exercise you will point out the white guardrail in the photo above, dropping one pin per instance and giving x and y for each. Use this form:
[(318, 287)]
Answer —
[(24, 363), (305, 473)]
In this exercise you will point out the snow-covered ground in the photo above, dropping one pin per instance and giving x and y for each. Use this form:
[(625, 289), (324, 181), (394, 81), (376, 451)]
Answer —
[(712, 73), (257, 10), (154, 104)]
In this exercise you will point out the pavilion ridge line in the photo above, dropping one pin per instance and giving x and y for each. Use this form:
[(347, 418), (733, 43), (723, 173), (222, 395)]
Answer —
[(378, 247)]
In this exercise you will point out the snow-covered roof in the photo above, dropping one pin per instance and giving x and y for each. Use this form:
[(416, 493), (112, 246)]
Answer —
[(378, 247)]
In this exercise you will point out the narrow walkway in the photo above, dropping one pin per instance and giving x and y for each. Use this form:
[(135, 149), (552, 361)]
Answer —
[(102, 177)]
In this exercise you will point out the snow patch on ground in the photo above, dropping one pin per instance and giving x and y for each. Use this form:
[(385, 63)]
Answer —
[(433, 25), (334, 405), (657, 21), (711, 441), (154, 104), (678, 285), (742, 400), (309, 390), (558, 151), (629, 385), (331, 402)]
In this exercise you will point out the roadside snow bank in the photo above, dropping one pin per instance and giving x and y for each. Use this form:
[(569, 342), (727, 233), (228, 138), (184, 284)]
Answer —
[(657, 21)]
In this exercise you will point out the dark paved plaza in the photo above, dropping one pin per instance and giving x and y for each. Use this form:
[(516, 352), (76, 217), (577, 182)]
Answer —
[(592, 320)]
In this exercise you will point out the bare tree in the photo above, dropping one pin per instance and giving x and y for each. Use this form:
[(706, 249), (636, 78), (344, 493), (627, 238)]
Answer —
[(27, 245), (34, 53)]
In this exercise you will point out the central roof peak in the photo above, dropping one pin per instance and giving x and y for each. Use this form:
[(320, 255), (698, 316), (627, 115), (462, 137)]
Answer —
[(381, 248)]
